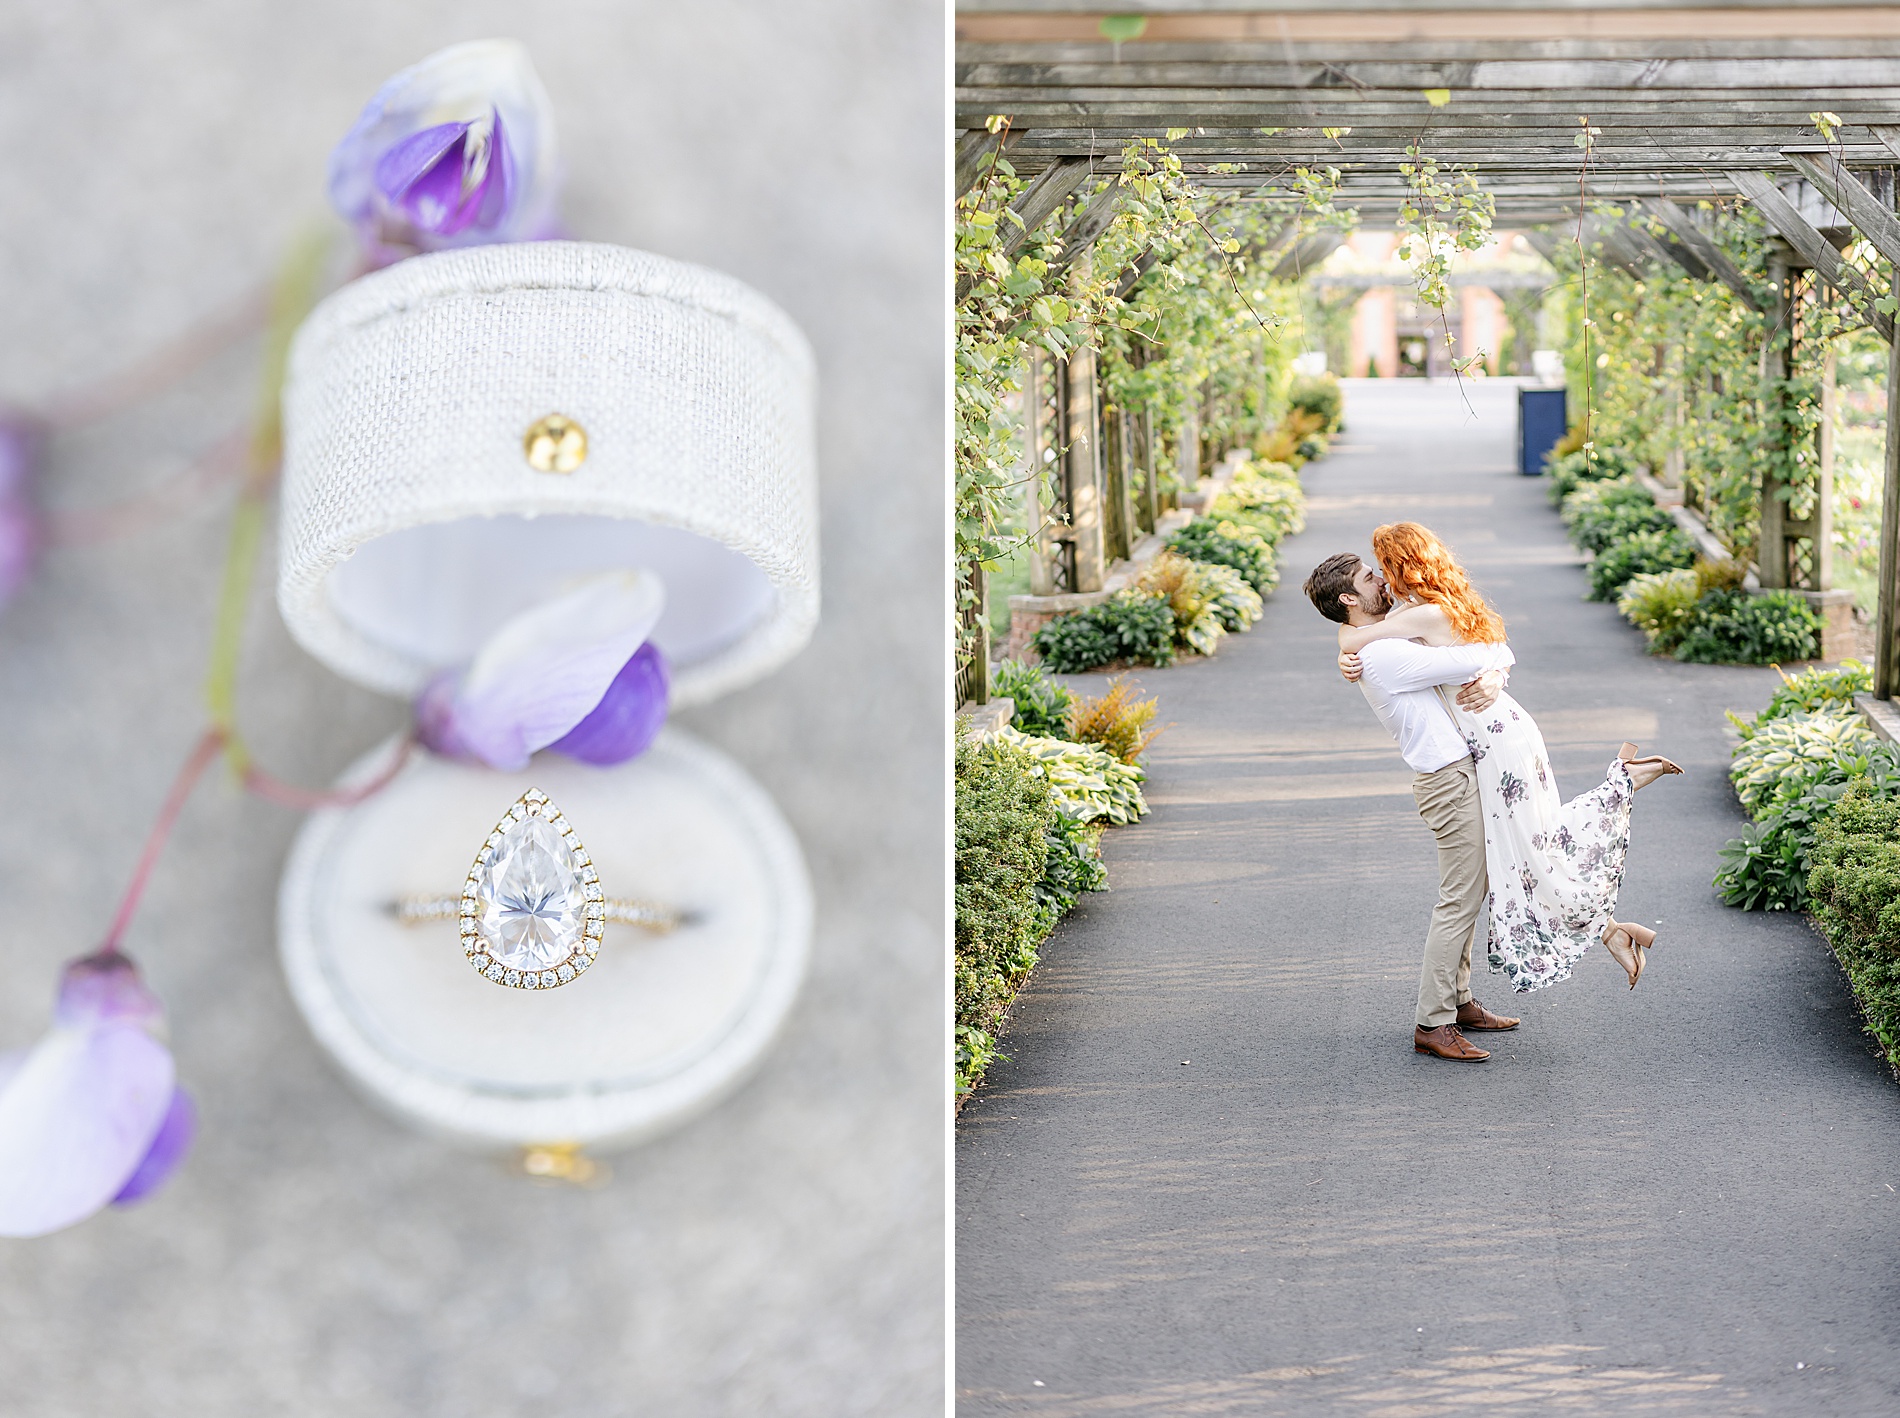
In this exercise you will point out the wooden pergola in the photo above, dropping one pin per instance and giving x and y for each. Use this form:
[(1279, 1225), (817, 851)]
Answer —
[(1685, 102)]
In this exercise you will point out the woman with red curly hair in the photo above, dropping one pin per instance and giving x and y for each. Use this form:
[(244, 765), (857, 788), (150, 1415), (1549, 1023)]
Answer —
[(1555, 867)]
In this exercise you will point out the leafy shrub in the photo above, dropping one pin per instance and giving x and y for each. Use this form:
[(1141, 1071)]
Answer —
[(1042, 704), (1572, 469), (1266, 496), (1004, 812), (1236, 604), (1117, 721), (1855, 892), (1225, 542), (1296, 429), (1811, 691), (1319, 395), (1189, 590), (1783, 757), (1085, 782), (1660, 604), (1130, 625), (1020, 865), (1789, 773), (1604, 494), (1600, 515), (1766, 868), (1073, 866), (1667, 550), (1731, 627)]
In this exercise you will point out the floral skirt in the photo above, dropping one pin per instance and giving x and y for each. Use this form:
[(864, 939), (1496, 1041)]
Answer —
[(1555, 867)]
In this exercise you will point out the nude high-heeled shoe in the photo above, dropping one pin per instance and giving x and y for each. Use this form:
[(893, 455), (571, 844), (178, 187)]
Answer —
[(1628, 944), (1644, 771)]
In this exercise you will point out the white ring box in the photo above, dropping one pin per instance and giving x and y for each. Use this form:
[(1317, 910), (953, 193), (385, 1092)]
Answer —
[(413, 526)]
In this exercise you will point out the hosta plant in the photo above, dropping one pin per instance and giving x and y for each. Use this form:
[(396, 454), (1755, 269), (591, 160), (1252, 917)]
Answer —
[(1664, 549), (1225, 542), (1085, 782), (1784, 755), (1042, 704), (1660, 604), (1133, 625), (1811, 691), (1265, 496), (1732, 627), (1190, 591)]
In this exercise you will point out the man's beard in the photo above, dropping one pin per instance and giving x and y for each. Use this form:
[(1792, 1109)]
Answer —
[(1384, 602)]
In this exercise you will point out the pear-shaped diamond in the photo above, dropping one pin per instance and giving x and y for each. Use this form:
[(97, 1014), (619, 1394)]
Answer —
[(529, 891)]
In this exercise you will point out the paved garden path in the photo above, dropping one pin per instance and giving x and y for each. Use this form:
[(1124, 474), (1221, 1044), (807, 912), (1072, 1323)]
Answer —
[(1214, 1179)]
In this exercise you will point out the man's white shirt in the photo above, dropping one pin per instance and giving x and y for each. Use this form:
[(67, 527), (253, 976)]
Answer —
[(1400, 681)]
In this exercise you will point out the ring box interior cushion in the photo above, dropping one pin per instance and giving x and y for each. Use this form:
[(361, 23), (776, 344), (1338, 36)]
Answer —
[(414, 524)]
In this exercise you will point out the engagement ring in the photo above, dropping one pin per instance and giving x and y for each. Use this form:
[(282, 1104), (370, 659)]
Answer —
[(532, 910)]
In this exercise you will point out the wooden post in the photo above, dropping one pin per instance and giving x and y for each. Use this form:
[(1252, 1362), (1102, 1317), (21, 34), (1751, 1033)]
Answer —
[(1887, 646), (1187, 467), (1821, 519), (1119, 493), (1150, 494), (1044, 515), (977, 682), (1081, 462), (1777, 354)]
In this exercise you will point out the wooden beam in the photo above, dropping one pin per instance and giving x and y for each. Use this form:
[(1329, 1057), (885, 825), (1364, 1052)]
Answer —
[(1465, 78), (1086, 229), (1682, 226), (1814, 249), (1035, 204), (973, 153), (1132, 276), (1888, 135), (1305, 253), (1867, 212), (1039, 200)]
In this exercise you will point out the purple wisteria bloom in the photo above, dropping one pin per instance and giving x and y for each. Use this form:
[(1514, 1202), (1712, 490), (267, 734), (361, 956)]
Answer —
[(574, 673), (21, 531), (458, 150), (92, 1113)]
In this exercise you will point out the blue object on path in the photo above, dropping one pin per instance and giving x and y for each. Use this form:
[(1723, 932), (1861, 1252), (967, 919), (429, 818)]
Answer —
[(1542, 417)]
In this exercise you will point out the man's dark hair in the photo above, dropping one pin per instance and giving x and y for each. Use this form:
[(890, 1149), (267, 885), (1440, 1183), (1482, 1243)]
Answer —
[(1330, 580)]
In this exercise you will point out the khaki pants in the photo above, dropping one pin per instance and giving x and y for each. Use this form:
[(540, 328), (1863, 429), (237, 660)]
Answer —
[(1448, 801)]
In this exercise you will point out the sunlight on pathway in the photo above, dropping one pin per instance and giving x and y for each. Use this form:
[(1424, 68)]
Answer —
[(1551, 1378)]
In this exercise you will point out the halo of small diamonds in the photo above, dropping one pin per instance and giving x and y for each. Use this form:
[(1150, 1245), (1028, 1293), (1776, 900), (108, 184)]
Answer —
[(533, 803)]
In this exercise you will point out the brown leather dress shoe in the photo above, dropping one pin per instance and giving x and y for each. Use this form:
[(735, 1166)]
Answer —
[(1472, 1015), (1448, 1043)]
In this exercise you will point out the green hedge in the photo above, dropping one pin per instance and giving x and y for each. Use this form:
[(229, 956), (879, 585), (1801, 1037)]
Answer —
[(1855, 886), (1792, 767)]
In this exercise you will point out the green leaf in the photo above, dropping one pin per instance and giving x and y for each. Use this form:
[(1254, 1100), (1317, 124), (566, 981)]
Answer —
[(1119, 29), (1437, 98)]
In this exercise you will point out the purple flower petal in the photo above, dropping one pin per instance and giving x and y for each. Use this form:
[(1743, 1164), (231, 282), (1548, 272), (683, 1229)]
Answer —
[(105, 989), (408, 162), (627, 719), (168, 1149), (458, 150), (21, 442), (21, 536), (21, 531), (81, 1113), (543, 672)]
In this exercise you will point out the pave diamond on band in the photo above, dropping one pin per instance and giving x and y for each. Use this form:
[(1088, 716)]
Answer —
[(532, 910)]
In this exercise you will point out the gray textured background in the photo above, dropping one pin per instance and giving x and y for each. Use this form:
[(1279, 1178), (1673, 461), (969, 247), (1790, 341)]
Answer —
[(784, 1254)]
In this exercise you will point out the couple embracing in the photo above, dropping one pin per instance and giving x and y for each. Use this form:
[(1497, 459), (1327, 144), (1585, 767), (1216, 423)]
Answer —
[(1531, 877)]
